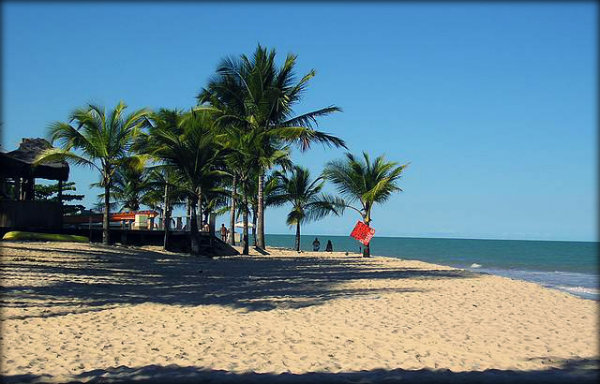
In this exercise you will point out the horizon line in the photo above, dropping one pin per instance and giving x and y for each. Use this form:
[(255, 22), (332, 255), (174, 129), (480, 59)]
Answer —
[(442, 238)]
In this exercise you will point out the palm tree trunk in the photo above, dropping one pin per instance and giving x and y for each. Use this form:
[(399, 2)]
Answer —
[(245, 245), (367, 248), (298, 236), (261, 210), (194, 235), (166, 218), (366, 251), (106, 218), (188, 213), (199, 216), (254, 219), (232, 213)]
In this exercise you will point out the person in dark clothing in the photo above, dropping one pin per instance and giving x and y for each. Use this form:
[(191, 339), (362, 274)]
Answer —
[(224, 231), (316, 244), (329, 246)]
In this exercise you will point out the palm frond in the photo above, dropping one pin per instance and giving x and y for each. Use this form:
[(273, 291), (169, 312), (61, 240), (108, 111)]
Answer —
[(309, 119), (304, 137), (58, 154)]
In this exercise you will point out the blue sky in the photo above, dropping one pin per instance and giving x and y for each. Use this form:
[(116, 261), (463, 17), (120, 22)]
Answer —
[(493, 105)]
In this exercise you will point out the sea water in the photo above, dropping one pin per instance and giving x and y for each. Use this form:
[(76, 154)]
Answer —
[(565, 265)]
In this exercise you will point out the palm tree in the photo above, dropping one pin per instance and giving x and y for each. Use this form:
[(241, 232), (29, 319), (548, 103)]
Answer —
[(129, 186), (186, 142), (271, 182), (253, 94), (164, 193), (99, 140), (308, 203), (240, 163), (364, 181)]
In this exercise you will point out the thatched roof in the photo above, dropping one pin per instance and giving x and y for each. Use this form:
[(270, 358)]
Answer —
[(19, 163)]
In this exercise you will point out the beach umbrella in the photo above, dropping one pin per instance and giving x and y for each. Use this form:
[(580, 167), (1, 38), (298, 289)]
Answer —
[(241, 225)]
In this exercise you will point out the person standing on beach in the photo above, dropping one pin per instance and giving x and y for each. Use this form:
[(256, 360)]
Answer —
[(316, 244), (224, 232)]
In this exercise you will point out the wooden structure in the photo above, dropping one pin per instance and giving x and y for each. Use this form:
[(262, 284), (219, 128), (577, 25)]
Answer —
[(127, 219), (18, 210)]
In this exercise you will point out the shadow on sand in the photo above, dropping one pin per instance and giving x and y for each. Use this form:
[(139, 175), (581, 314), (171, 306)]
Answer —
[(572, 371), (98, 277)]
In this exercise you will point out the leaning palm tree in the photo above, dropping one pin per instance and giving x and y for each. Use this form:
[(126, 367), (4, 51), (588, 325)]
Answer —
[(308, 203), (254, 94), (99, 140), (185, 142), (364, 181)]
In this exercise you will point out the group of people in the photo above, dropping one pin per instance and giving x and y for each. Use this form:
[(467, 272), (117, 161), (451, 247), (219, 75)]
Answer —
[(317, 245)]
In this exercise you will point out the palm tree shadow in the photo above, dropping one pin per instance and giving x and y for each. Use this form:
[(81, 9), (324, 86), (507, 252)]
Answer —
[(104, 279), (261, 251), (577, 370)]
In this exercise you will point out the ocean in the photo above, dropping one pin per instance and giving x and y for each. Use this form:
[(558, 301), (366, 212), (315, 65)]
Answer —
[(565, 265)]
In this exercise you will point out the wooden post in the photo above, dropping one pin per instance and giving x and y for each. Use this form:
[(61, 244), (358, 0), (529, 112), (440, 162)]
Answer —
[(60, 190), (212, 222), (60, 203), (17, 188), (29, 189)]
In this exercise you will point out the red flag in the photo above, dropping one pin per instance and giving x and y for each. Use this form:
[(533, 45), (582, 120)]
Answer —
[(362, 232)]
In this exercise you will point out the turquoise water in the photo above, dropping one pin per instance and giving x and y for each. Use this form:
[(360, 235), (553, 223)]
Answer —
[(565, 265)]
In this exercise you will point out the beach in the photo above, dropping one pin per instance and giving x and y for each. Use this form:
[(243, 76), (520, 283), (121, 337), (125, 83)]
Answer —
[(81, 312)]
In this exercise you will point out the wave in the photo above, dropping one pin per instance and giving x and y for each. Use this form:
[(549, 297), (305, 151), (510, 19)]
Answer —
[(578, 284), (584, 290)]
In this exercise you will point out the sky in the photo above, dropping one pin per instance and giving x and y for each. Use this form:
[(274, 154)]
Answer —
[(493, 105)]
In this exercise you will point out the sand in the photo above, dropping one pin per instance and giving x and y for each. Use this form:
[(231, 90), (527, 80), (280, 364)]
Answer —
[(85, 312)]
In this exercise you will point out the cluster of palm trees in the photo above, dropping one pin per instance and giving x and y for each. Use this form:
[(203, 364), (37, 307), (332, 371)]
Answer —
[(230, 152)]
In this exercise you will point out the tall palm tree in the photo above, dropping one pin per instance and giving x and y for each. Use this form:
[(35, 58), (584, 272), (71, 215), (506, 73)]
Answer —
[(364, 181), (187, 143), (99, 140), (241, 163), (254, 94), (308, 203)]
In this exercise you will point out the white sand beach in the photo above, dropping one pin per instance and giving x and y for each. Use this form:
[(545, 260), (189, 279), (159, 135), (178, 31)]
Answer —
[(84, 312)]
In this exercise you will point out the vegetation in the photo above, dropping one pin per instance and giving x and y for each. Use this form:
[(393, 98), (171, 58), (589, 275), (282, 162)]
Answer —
[(50, 193), (163, 194), (308, 203), (230, 152), (186, 144), (130, 186), (254, 95), (99, 140), (364, 181)]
